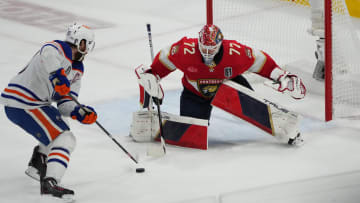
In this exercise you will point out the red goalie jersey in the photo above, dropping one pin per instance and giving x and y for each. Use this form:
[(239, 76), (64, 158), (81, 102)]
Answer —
[(232, 60)]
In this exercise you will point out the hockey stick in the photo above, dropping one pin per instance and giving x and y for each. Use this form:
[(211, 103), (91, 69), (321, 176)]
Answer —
[(156, 152), (103, 129)]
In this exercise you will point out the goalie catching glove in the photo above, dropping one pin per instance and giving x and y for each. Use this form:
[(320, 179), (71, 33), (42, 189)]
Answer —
[(288, 83), (84, 114)]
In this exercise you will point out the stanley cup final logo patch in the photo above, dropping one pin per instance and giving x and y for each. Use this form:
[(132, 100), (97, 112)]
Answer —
[(228, 72)]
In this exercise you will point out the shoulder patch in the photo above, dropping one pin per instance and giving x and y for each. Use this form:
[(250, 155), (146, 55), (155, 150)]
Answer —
[(248, 52), (174, 50)]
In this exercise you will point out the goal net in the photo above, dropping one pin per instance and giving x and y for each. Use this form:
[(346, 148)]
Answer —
[(262, 23)]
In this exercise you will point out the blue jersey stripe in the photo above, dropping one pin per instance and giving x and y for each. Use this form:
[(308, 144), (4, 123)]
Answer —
[(61, 149), (59, 161), (66, 48), (19, 100), (25, 89), (74, 93)]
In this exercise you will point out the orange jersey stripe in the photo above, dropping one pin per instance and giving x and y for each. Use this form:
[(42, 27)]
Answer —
[(59, 154), (52, 131), (20, 94)]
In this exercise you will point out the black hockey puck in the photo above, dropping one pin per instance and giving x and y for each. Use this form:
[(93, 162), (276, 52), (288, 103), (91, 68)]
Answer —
[(140, 170)]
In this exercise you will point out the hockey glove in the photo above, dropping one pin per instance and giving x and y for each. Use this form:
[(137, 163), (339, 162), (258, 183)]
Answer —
[(60, 83), (289, 84), (85, 114)]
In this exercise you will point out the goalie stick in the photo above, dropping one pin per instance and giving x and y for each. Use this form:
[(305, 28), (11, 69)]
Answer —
[(105, 131), (156, 151)]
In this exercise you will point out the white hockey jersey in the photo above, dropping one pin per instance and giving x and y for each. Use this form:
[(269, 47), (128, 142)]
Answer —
[(31, 87)]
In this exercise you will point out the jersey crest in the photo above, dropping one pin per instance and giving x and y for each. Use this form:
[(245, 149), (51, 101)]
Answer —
[(208, 87)]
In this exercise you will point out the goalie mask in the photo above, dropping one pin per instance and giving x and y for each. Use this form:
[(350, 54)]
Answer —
[(210, 39), (77, 33)]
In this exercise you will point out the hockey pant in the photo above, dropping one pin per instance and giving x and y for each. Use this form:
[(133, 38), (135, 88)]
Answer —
[(47, 126)]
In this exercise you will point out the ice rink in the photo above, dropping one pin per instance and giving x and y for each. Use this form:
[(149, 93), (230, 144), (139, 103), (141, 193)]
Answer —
[(242, 164)]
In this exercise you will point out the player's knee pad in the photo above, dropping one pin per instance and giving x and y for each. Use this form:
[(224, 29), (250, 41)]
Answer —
[(65, 140)]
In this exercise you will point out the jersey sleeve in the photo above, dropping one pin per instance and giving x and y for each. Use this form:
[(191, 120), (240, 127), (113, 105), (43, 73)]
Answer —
[(166, 60), (51, 58), (263, 63), (65, 104)]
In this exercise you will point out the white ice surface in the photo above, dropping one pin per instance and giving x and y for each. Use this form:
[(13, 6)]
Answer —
[(242, 164)]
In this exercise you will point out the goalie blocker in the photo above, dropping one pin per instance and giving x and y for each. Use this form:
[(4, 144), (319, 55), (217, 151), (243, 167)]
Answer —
[(266, 115), (178, 130)]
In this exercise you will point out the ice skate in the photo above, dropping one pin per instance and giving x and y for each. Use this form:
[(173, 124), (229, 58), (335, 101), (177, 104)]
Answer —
[(37, 165), (49, 186)]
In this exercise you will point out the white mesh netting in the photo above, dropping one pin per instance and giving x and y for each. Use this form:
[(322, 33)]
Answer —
[(284, 36)]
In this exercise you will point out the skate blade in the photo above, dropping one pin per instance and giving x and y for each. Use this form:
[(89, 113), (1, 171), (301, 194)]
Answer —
[(32, 173), (47, 198)]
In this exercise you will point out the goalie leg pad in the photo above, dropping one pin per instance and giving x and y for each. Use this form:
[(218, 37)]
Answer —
[(184, 131), (141, 126), (247, 105), (243, 106), (178, 130)]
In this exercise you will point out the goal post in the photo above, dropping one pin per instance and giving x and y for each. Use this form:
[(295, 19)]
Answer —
[(328, 61), (279, 27)]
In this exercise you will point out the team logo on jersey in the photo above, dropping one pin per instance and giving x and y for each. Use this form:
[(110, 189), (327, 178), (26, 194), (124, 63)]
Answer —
[(208, 87), (228, 72), (174, 50)]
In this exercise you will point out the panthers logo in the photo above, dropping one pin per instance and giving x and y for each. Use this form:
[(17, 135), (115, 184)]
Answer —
[(209, 87)]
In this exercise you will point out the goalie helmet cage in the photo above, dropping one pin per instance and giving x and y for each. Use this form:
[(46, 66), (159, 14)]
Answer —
[(286, 22)]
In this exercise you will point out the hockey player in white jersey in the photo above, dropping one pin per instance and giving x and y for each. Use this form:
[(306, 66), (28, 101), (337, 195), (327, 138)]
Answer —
[(54, 72)]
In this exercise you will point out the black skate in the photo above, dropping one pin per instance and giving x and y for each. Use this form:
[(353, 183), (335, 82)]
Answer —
[(37, 165), (49, 186)]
